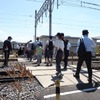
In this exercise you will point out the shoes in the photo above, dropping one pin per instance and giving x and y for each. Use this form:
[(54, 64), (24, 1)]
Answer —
[(64, 68), (50, 64), (59, 75), (90, 80), (2, 67), (47, 64), (76, 76)]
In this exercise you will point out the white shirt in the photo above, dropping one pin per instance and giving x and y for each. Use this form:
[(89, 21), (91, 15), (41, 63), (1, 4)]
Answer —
[(88, 42), (68, 46), (59, 44)]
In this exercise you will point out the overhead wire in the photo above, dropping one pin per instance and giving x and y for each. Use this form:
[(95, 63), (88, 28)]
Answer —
[(73, 3), (79, 3)]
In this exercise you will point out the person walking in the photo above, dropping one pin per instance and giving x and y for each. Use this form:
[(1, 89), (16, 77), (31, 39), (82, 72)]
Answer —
[(50, 48), (29, 51), (39, 53), (88, 43), (67, 46), (59, 45), (66, 53), (7, 48), (38, 42)]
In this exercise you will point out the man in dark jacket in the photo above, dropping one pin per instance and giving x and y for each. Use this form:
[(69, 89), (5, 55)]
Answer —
[(66, 52), (87, 57), (6, 49)]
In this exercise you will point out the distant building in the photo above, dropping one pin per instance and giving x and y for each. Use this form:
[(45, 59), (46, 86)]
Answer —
[(98, 43)]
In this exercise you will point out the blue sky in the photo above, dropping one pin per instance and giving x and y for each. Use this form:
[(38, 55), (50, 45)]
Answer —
[(17, 19)]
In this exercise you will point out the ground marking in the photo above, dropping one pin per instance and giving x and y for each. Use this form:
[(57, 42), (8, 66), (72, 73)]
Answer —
[(71, 92)]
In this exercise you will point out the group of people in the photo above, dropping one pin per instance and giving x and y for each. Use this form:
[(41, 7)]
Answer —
[(61, 48), (87, 56), (34, 49), (52, 47)]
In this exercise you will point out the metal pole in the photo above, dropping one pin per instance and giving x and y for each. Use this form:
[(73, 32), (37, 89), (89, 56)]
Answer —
[(50, 19), (57, 4), (35, 25), (57, 82)]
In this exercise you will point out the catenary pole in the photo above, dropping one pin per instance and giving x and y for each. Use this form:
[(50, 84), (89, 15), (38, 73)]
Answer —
[(47, 6), (35, 25), (50, 18)]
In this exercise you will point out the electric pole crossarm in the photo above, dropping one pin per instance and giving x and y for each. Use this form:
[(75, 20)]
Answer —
[(47, 6), (43, 9)]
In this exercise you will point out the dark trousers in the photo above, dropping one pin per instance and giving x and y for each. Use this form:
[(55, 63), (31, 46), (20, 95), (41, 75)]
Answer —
[(50, 56), (87, 59), (29, 55), (66, 54), (58, 60), (6, 55)]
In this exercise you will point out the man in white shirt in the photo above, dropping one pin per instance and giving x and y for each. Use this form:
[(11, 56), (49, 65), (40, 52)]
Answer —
[(89, 43), (59, 47)]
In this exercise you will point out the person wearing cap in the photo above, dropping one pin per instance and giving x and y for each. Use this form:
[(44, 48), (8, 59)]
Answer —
[(59, 45), (38, 42), (89, 44), (6, 49)]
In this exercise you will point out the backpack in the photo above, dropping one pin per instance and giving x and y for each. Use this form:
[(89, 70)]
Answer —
[(33, 47), (81, 50), (50, 46)]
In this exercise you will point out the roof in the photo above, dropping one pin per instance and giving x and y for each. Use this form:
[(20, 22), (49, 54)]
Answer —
[(96, 38)]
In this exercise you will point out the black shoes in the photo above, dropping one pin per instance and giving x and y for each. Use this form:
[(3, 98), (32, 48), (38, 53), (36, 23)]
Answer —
[(90, 80), (59, 75), (64, 69), (76, 76), (49, 64)]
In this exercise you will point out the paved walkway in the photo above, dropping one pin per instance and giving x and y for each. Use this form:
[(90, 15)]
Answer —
[(43, 73)]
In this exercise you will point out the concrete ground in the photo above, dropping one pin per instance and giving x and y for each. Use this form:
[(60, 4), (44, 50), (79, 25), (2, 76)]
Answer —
[(68, 84), (43, 73)]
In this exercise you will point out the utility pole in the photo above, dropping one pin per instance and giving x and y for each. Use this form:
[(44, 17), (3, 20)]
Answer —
[(35, 25), (50, 19), (47, 6)]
